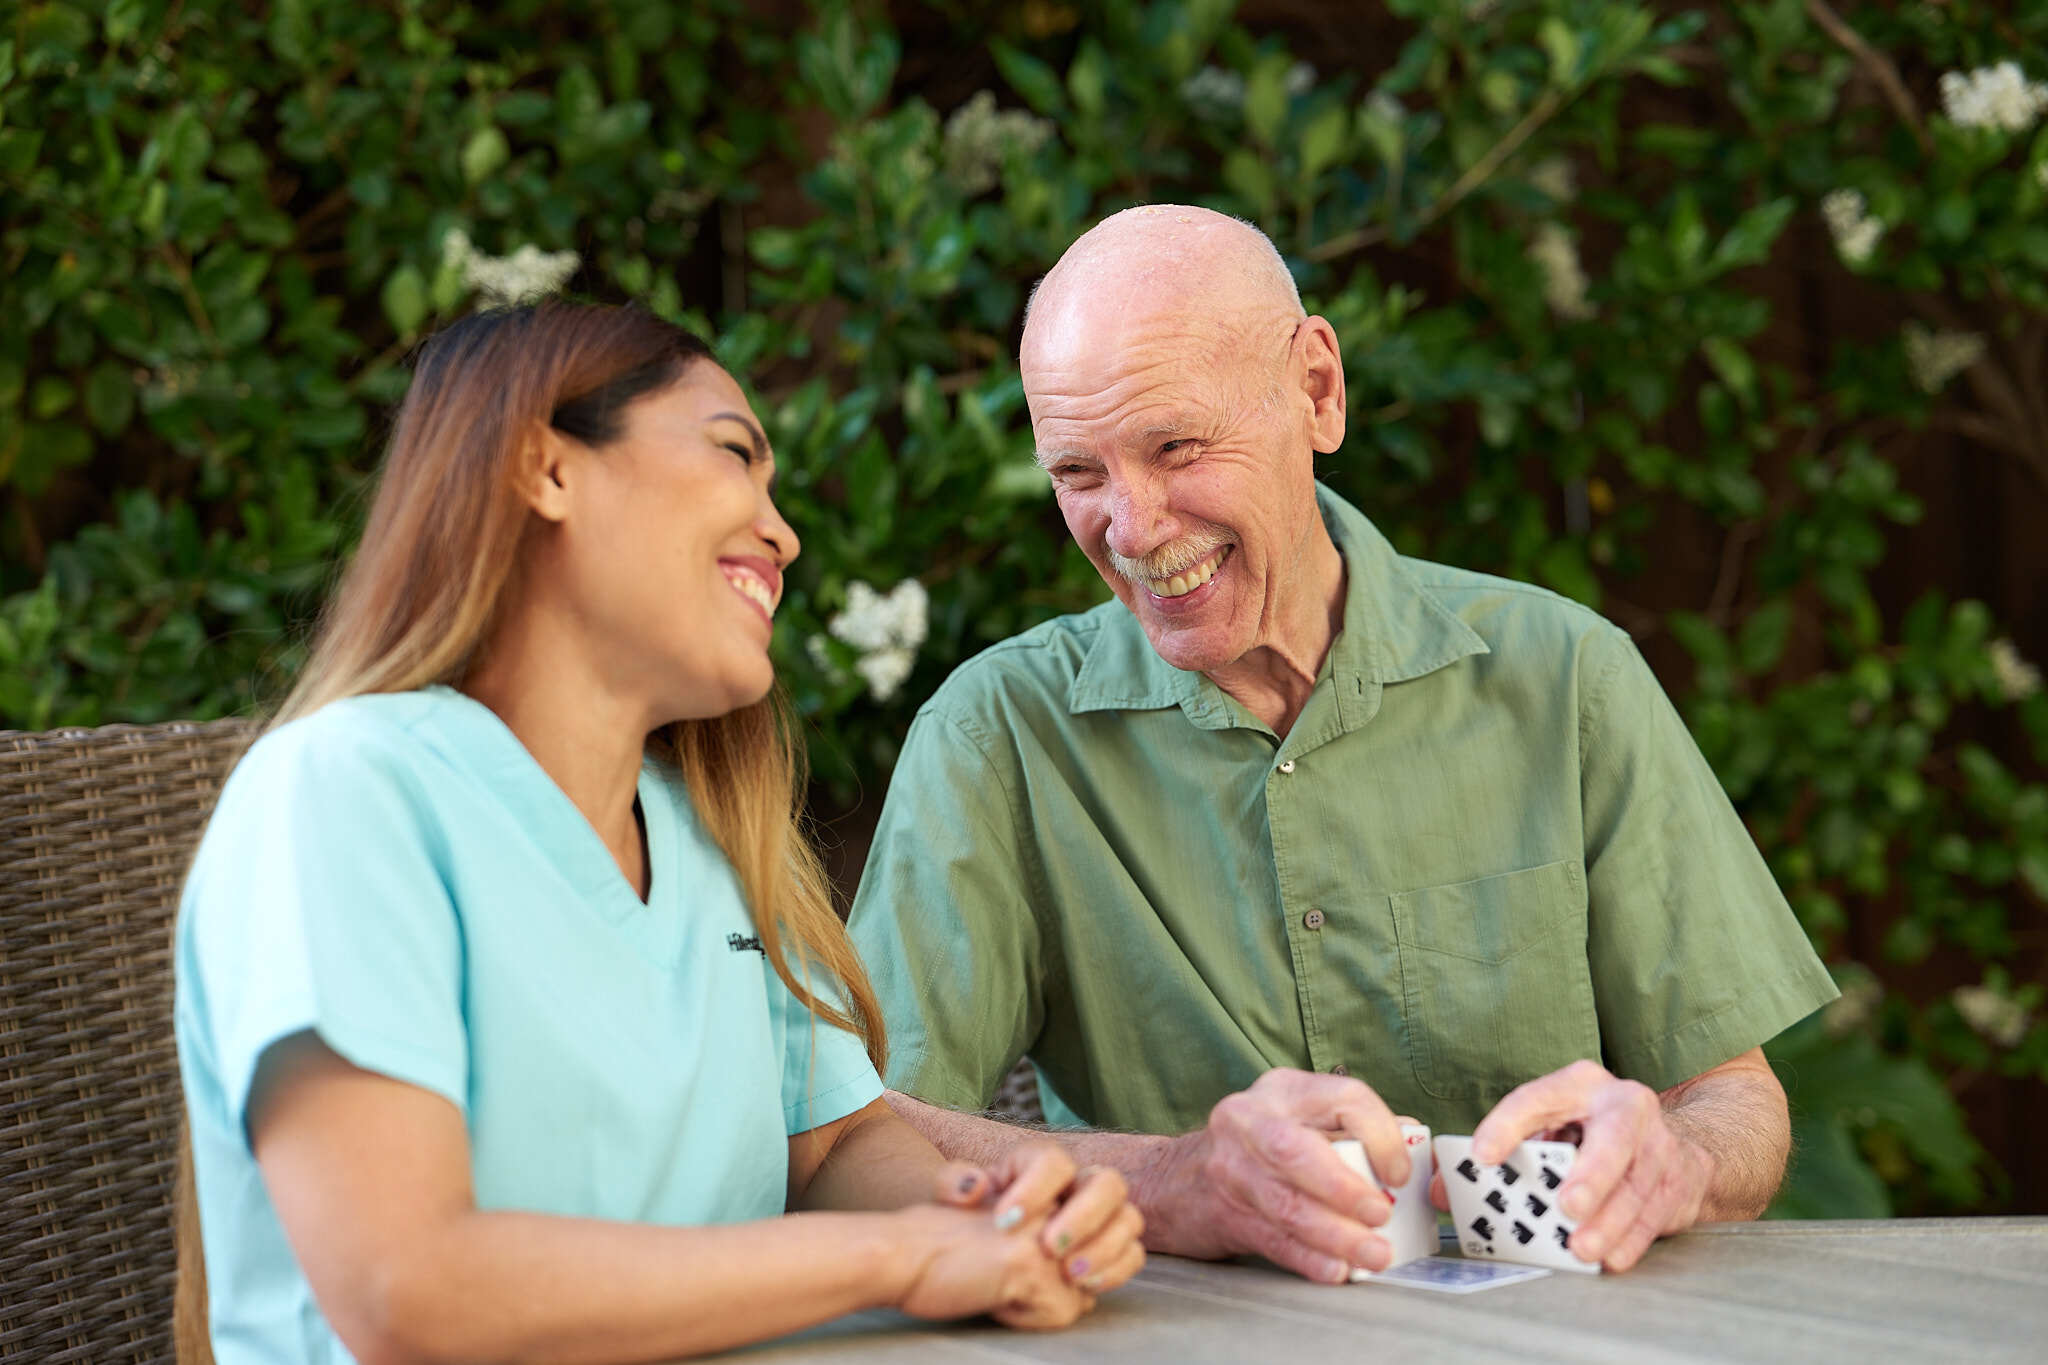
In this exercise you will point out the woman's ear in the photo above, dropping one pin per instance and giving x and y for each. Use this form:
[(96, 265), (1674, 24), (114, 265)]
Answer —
[(547, 468)]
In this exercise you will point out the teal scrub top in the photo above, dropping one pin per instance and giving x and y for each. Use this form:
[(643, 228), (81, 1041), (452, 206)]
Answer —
[(398, 875)]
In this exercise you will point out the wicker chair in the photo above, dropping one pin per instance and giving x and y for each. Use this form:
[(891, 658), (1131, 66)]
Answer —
[(96, 827)]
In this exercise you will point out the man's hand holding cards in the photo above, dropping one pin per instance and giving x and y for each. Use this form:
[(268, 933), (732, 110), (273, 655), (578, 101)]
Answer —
[(1411, 1229), (1632, 1177)]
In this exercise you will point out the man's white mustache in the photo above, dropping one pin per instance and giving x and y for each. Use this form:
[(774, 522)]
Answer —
[(1168, 560)]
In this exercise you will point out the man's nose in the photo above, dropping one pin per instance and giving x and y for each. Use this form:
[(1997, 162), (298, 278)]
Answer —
[(1139, 519)]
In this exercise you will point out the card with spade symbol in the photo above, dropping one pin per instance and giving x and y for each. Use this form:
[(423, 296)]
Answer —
[(1510, 1212)]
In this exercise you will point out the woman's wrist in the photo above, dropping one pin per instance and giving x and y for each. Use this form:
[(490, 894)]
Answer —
[(901, 1248)]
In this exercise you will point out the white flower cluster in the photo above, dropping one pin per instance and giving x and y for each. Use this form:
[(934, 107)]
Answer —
[(1934, 358), (979, 136), (1850, 223), (1215, 92), (528, 273), (1564, 279), (1998, 96), (2017, 679), (1993, 1013), (886, 630), (1854, 1007)]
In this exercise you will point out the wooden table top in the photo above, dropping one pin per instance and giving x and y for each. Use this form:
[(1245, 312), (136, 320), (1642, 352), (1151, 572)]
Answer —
[(1973, 1289)]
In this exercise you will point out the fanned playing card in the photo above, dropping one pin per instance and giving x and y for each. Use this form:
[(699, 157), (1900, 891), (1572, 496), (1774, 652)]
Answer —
[(1509, 1212), (1411, 1230)]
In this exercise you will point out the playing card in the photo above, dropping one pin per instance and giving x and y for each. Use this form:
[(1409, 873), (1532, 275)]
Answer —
[(1411, 1231), (1450, 1275), (1509, 1212)]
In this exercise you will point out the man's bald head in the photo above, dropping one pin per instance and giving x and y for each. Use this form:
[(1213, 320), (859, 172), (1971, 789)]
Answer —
[(1163, 264)]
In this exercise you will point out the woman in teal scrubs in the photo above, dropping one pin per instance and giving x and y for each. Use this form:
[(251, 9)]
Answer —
[(514, 1018)]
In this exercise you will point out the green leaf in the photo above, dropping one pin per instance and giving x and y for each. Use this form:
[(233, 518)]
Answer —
[(1954, 217), (1087, 80), (1828, 1177), (405, 299), (1761, 641), (777, 248), (484, 154), (1707, 645), (1322, 142), (1265, 98), (1687, 234), (1562, 45), (110, 397), (291, 31), (51, 395), (1749, 241), (1031, 78), (1735, 366), (1250, 176)]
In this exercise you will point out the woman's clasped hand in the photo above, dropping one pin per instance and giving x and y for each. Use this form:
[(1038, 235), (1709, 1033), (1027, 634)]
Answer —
[(1056, 1240)]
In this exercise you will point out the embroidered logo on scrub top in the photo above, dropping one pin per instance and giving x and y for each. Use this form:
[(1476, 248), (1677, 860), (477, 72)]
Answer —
[(741, 945)]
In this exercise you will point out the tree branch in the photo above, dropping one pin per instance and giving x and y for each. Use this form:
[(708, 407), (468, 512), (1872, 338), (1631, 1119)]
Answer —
[(1477, 174), (1878, 66)]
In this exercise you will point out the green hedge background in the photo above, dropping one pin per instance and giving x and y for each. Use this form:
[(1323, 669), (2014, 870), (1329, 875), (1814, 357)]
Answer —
[(1692, 313)]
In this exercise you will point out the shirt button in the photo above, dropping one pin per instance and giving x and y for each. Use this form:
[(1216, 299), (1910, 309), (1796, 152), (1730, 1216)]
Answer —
[(1340, 1070), (1313, 919), (1287, 766)]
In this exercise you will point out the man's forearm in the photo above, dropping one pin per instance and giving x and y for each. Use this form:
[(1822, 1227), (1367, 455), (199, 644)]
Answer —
[(983, 1141), (1735, 1114)]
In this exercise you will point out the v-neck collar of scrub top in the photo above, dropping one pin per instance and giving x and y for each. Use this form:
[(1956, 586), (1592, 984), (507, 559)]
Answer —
[(483, 743), (1394, 629)]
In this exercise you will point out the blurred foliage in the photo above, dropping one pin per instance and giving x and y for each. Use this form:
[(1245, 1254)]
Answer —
[(1538, 228)]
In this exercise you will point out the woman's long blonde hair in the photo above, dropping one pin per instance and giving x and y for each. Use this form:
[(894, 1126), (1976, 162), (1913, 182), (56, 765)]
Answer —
[(418, 601)]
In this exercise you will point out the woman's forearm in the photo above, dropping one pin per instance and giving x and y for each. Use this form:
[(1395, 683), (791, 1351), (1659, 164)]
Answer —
[(873, 1161), (530, 1287)]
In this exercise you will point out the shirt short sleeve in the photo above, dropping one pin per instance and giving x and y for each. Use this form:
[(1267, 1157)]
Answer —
[(1696, 957), (826, 1074), (315, 903), (945, 924)]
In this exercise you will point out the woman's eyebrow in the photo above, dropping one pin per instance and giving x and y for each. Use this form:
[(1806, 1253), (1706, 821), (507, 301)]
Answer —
[(759, 438)]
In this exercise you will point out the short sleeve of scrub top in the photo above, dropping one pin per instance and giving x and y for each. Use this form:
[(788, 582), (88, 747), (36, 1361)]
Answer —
[(325, 910)]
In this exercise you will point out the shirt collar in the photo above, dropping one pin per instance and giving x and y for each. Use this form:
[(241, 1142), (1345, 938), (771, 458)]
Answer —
[(1394, 630)]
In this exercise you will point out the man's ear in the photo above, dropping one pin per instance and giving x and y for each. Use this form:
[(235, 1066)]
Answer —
[(547, 467), (1323, 380)]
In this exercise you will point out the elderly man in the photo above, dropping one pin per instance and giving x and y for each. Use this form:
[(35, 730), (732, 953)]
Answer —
[(1298, 834)]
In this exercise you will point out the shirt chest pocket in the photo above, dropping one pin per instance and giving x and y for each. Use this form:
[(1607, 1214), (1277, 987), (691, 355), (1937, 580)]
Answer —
[(1495, 984)]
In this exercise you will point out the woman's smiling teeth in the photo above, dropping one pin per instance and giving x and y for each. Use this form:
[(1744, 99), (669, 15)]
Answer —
[(1181, 584), (749, 585)]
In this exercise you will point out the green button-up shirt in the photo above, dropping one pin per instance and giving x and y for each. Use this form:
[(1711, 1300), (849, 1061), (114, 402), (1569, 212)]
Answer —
[(1487, 848)]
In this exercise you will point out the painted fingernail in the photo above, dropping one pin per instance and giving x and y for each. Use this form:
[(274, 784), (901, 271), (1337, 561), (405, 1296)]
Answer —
[(1009, 1217), (1093, 1284), (1061, 1243), (1077, 1267), (969, 1181)]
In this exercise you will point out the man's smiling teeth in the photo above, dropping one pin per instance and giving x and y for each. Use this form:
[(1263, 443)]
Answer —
[(750, 586), (1181, 584)]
